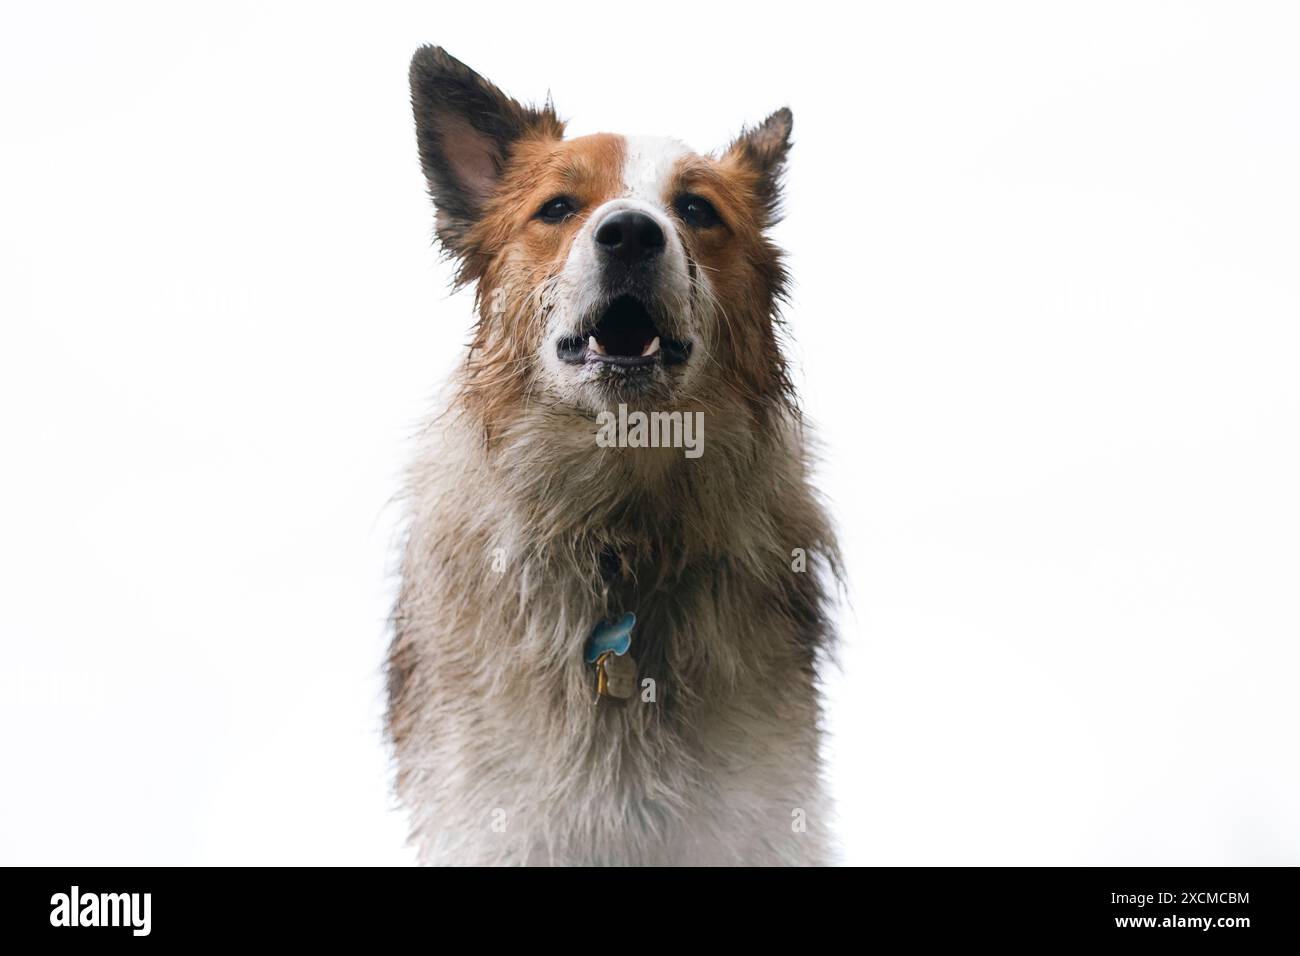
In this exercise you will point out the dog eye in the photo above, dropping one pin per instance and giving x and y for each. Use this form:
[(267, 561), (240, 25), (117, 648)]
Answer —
[(557, 210), (697, 212)]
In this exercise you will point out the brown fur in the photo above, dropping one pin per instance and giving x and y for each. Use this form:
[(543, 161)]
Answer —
[(514, 256)]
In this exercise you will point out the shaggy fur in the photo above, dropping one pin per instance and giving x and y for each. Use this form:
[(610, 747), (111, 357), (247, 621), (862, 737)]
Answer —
[(523, 533)]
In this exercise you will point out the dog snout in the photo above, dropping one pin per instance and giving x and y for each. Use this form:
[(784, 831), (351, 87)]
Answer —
[(631, 237)]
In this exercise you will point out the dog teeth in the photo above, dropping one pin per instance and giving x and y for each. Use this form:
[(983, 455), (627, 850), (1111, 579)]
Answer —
[(652, 348), (594, 346)]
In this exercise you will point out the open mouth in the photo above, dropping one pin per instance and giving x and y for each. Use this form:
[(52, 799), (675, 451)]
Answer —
[(625, 335)]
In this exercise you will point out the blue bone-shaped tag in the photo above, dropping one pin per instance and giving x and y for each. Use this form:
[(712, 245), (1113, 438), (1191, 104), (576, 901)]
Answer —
[(607, 636)]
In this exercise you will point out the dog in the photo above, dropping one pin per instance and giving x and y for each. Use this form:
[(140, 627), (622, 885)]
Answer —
[(607, 652)]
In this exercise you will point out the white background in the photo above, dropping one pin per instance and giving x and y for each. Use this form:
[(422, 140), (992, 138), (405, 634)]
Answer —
[(1046, 320)]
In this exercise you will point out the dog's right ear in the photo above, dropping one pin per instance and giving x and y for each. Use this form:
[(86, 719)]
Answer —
[(466, 129)]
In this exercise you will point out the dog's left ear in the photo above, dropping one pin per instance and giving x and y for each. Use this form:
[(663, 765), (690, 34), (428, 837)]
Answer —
[(466, 129), (761, 151)]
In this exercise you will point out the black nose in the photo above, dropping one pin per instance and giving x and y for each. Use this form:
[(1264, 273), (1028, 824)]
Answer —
[(630, 236)]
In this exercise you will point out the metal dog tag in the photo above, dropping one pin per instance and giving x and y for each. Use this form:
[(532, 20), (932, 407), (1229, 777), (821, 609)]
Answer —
[(615, 676)]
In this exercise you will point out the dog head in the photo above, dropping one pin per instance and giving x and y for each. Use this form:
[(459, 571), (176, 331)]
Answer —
[(609, 269)]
